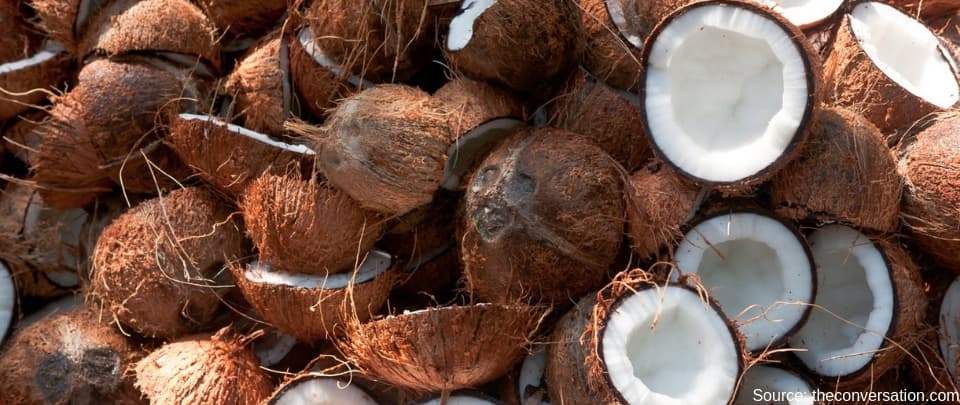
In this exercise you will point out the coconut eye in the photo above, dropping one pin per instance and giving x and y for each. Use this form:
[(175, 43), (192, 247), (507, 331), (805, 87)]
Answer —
[(520, 186)]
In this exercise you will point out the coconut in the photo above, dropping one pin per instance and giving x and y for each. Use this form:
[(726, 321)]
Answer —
[(845, 172), (870, 308), (71, 357), (609, 54), (521, 44), (316, 390), (929, 168), (609, 117), (872, 68), (311, 307), (227, 156), (319, 80), (155, 267), (302, 226), (386, 147), (927, 9), (932, 364), (806, 14), (659, 204), (8, 302), (720, 89), (18, 38), (23, 81), (19, 138), (65, 21), (260, 85), (768, 384), (442, 349), (238, 19), (526, 385), (203, 369), (329, 363), (543, 218), (463, 397)]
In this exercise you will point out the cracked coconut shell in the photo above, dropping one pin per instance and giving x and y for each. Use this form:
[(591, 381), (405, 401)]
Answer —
[(203, 369), (443, 349), (260, 85), (845, 172), (154, 267), (24, 80), (72, 357), (302, 226), (543, 218), (659, 203)]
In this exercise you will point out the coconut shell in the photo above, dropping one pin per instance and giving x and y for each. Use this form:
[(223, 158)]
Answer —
[(850, 78), (318, 87), (62, 20), (607, 53), (521, 44), (604, 115), (337, 384), (930, 169), (386, 147), (659, 204), (472, 103), (73, 357), (312, 315), (301, 226), (845, 172), (154, 267), (443, 349), (239, 18), (927, 9), (566, 376), (948, 29), (203, 369), (19, 138), (260, 85), (23, 89)]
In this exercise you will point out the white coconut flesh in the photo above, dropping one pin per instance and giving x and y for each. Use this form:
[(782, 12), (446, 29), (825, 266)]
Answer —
[(726, 92), (473, 145), (531, 377), (950, 327), (777, 383), (273, 347), (756, 268), (50, 51), (906, 51), (854, 305), (300, 149), (461, 400), (375, 263), (666, 346), (461, 26), (8, 300), (311, 48), (322, 391), (804, 13)]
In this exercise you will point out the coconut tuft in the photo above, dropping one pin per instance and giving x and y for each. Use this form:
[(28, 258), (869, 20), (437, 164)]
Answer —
[(26, 82), (156, 267), (386, 147), (608, 54), (302, 226), (659, 204), (443, 349), (70, 357), (845, 172), (260, 85), (203, 369)]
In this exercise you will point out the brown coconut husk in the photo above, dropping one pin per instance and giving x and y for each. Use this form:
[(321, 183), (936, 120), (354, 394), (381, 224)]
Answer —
[(853, 82), (544, 218), (224, 158), (927, 364), (155, 268), (260, 86), (607, 52), (926, 9), (315, 314), (845, 173), (929, 167), (17, 38), (26, 88), (386, 147), (71, 357), (302, 226), (521, 44), (204, 369), (19, 138), (659, 204), (62, 20), (319, 85), (606, 116), (239, 18), (566, 376), (443, 349)]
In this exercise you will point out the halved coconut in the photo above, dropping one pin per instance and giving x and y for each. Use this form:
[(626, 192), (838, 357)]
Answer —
[(158, 267), (465, 397), (805, 13), (659, 204), (767, 384), (302, 226), (8, 302), (930, 167), (319, 80), (203, 369), (23, 81), (316, 307), (889, 67), (543, 218), (260, 85), (442, 349), (845, 172), (521, 44), (934, 357), (869, 306), (758, 269), (527, 384), (227, 156), (316, 390), (71, 357), (729, 93)]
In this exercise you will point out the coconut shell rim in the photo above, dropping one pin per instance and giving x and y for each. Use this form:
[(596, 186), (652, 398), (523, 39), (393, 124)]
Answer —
[(292, 383)]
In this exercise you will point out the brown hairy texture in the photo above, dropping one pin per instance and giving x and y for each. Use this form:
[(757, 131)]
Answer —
[(594, 110), (520, 44), (302, 226), (24, 88), (240, 17), (17, 38), (155, 268), (442, 349), (223, 158), (566, 374), (428, 281), (386, 147), (927, 364), (318, 87), (606, 53), (257, 84), (73, 357), (57, 19), (204, 369), (424, 232), (472, 103), (315, 314), (19, 137), (931, 201), (659, 204), (926, 9), (853, 82), (543, 218), (845, 172), (948, 29)]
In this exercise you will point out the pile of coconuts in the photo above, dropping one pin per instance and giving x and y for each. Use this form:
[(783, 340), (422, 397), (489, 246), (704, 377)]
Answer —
[(511, 202)]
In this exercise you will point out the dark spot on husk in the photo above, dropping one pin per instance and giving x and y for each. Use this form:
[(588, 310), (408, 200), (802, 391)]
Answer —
[(519, 187), (53, 377), (100, 367), (492, 221)]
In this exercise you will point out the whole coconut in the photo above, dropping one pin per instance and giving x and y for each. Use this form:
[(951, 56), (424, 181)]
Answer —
[(659, 203)]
